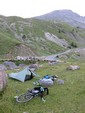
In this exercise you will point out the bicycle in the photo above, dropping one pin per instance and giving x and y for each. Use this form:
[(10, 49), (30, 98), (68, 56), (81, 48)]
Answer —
[(30, 94)]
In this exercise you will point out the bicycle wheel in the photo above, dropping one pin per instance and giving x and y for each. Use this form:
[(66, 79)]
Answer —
[(24, 97)]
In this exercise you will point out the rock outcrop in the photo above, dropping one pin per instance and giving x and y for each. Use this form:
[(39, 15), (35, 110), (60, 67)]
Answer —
[(3, 80)]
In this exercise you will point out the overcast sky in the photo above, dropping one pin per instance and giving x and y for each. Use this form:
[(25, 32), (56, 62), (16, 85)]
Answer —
[(31, 8)]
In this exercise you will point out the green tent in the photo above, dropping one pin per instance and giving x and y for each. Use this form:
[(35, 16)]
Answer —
[(23, 75)]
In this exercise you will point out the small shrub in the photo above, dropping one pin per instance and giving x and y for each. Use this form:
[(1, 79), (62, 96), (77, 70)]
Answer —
[(73, 44)]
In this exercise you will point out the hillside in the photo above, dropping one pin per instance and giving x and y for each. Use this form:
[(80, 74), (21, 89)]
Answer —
[(38, 37)]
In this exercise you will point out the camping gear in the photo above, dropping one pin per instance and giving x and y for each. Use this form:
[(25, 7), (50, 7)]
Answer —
[(46, 82), (23, 75), (52, 77)]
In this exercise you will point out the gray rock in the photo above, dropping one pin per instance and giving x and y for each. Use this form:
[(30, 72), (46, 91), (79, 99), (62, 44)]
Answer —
[(60, 81), (73, 67), (3, 80), (2, 67), (10, 65)]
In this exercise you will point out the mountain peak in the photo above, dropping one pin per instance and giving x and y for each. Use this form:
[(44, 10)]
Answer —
[(65, 15)]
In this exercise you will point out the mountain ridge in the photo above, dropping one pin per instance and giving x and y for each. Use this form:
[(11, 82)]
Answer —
[(67, 16)]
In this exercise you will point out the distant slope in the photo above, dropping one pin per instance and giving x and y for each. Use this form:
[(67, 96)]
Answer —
[(67, 16)]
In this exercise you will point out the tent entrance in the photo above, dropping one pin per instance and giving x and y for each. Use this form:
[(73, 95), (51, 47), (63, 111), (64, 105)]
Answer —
[(27, 77)]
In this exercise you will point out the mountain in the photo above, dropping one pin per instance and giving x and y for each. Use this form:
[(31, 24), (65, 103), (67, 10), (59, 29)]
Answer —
[(67, 16), (39, 36)]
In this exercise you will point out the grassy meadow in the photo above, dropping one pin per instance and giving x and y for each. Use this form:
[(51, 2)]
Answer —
[(66, 98)]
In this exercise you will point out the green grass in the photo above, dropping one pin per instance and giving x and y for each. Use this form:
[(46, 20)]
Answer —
[(67, 98), (7, 42)]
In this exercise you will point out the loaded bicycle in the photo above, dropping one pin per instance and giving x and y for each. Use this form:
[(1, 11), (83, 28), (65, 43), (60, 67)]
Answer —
[(30, 94)]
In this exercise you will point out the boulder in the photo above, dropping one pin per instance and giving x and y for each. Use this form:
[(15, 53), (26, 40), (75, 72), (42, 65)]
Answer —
[(3, 80), (34, 66), (10, 65), (2, 67), (60, 81), (73, 67)]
